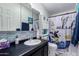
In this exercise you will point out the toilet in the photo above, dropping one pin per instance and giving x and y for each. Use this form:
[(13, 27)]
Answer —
[(52, 49)]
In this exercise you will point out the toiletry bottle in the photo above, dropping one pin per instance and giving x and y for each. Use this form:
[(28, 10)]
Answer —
[(17, 40)]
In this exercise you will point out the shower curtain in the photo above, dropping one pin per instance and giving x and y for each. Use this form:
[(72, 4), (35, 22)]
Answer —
[(65, 29)]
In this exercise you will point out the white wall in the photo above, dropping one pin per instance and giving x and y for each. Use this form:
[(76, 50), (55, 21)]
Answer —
[(40, 8)]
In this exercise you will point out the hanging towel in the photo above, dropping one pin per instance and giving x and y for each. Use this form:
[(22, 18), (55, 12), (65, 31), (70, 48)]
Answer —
[(75, 37)]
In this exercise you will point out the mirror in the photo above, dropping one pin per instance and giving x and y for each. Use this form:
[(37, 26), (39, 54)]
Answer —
[(15, 17), (26, 17), (35, 15)]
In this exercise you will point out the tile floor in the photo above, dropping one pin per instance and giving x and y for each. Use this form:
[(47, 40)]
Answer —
[(71, 51)]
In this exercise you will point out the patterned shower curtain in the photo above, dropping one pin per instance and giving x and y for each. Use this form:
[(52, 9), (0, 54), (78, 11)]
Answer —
[(64, 24)]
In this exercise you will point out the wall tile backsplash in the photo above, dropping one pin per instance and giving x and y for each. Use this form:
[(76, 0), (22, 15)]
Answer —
[(11, 35)]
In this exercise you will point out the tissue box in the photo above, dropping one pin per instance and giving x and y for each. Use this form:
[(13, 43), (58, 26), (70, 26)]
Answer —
[(4, 45)]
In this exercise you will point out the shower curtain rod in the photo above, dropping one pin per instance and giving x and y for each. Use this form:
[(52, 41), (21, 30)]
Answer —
[(62, 14)]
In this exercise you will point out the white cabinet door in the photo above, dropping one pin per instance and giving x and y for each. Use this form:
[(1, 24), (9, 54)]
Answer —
[(0, 23), (0, 19), (4, 20), (9, 17)]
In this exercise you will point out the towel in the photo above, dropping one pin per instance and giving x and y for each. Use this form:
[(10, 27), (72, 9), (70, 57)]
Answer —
[(75, 37)]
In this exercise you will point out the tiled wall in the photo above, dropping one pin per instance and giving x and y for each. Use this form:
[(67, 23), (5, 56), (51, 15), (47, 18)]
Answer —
[(11, 35)]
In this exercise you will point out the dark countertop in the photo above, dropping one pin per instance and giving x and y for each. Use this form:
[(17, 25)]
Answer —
[(21, 49)]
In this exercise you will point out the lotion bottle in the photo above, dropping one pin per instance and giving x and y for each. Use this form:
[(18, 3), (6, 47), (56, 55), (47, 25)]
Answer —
[(17, 40)]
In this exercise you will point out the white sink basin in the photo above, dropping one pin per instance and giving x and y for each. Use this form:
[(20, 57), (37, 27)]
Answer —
[(32, 42)]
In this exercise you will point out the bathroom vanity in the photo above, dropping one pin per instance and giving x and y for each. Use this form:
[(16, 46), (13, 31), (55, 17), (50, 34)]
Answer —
[(25, 50)]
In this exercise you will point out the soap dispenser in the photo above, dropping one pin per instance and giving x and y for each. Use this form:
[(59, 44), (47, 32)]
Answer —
[(17, 40)]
